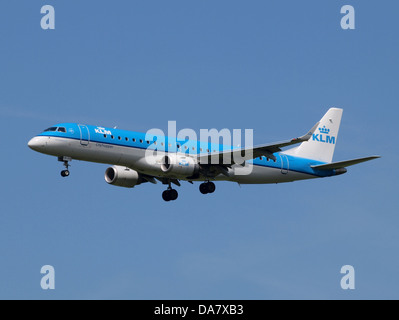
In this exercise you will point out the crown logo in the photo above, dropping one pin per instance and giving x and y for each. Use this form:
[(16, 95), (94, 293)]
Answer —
[(324, 130)]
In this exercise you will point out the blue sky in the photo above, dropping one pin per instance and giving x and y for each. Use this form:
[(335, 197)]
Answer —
[(271, 66)]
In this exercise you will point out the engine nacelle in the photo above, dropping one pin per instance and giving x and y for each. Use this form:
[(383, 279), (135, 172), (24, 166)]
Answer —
[(122, 177), (182, 166)]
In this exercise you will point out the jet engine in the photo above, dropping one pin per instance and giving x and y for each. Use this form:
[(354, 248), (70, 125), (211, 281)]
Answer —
[(122, 177), (182, 166)]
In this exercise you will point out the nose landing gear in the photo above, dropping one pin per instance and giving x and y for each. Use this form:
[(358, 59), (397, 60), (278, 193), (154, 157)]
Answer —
[(65, 173), (66, 160)]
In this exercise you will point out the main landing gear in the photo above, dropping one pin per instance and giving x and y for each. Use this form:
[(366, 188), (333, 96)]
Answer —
[(170, 194), (66, 160), (207, 187)]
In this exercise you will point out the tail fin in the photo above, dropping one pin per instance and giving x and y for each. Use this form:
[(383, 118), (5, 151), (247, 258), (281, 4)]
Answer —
[(321, 145)]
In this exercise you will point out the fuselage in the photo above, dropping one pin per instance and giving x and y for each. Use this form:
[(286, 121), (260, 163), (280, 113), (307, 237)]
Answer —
[(130, 149)]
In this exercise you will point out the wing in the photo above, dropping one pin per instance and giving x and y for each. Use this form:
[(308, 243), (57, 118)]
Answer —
[(239, 156)]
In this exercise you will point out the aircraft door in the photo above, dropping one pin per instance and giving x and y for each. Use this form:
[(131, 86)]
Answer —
[(84, 135), (285, 165)]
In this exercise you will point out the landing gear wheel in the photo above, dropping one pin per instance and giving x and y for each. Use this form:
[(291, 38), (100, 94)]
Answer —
[(211, 187), (203, 188), (173, 194), (207, 187), (165, 195), (170, 195), (65, 173)]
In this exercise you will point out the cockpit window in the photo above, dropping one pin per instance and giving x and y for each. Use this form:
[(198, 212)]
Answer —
[(51, 129), (61, 129)]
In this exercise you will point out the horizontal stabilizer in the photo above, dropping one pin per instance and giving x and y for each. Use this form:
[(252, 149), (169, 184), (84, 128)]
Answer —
[(343, 164)]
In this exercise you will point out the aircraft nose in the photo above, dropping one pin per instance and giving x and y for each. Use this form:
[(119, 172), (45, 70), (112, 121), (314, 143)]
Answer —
[(37, 143)]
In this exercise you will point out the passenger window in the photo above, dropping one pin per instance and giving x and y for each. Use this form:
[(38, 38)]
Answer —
[(148, 142), (105, 135), (134, 140), (119, 138), (112, 137), (127, 139), (141, 140)]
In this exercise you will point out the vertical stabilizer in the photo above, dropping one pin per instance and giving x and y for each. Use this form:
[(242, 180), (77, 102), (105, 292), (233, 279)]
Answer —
[(321, 145)]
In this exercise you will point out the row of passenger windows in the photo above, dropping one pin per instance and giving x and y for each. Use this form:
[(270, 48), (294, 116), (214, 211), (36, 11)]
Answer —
[(155, 143), (127, 139), (265, 158), (178, 146), (62, 129)]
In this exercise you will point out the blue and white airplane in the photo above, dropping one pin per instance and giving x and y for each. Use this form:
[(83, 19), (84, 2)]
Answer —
[(195, 160)]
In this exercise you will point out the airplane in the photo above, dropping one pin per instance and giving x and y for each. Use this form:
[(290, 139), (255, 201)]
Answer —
[(198, 161)]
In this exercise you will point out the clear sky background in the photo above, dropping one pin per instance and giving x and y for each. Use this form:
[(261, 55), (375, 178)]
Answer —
[(272, 66)]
